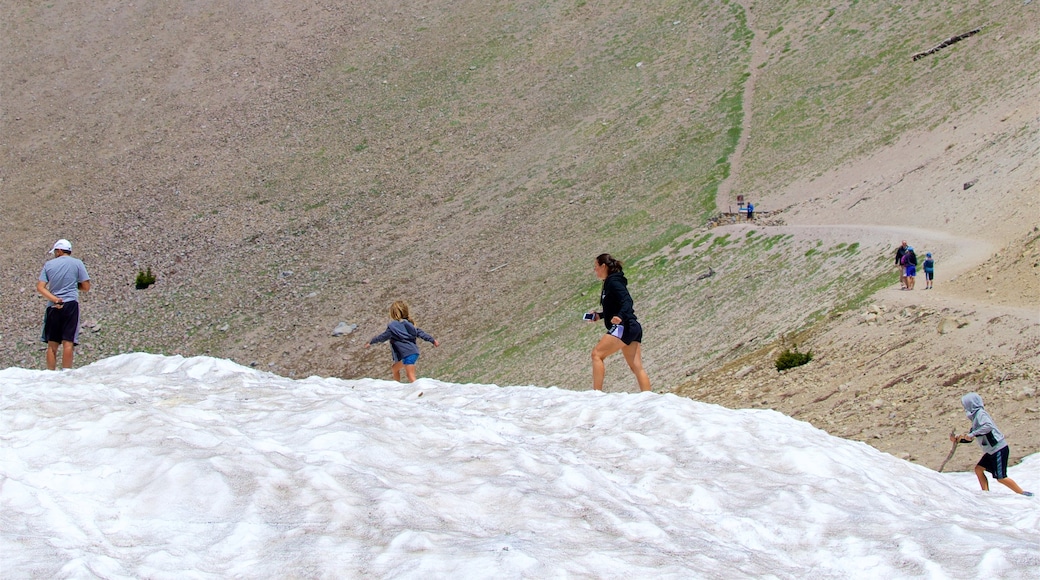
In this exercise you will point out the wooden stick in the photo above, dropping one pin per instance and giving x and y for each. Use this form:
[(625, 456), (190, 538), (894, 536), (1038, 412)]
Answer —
[(952, 449)]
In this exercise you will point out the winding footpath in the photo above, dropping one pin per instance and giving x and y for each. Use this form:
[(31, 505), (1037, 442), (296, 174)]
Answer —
[(960, 253), (757, 57)]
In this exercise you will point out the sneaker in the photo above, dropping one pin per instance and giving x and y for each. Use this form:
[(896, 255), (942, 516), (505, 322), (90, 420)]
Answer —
[(1027, 493)]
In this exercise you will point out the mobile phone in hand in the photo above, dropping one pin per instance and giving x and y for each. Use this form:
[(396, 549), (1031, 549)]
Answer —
[(590, 316)]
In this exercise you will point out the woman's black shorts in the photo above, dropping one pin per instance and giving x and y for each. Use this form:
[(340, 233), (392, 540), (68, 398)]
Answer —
[(628, 333)]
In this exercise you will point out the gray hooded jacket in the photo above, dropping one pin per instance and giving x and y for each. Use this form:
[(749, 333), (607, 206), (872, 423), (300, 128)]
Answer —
[(983, 429)]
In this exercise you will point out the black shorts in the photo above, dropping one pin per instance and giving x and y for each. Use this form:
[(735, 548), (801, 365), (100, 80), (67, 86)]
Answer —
[(996, 462), (62, 324), (628, 333)]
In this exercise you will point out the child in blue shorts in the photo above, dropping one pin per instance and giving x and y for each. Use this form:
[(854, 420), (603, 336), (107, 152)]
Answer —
[(402, 334)]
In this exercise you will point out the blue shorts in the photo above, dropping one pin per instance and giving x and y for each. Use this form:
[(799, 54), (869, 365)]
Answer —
[(911, 271), (410, 359)]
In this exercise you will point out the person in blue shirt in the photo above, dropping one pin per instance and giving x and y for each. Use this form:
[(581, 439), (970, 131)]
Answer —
[(402, 334), (60, 282), (929, 270)]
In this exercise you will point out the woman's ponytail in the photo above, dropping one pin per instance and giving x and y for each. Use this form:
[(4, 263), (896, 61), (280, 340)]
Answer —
[(613, 266)]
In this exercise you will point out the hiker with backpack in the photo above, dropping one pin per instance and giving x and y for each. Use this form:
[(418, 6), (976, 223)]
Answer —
[(909, 262), (929, 270)]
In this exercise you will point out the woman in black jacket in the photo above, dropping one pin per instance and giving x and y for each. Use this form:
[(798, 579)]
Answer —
[(623, 330)]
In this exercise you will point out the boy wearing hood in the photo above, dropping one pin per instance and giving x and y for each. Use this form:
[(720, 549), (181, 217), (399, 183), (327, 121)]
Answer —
[(992, 441)]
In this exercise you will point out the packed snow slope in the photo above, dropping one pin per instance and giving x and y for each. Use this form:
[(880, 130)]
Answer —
[(142, 465)]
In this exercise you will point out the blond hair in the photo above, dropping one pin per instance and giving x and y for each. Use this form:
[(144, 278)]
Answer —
[(399, 311)]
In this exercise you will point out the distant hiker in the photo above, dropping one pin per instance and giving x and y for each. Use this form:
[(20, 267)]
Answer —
[(623, 330), (899, 264), (910, 264), (929, 270), (402, 334), (992, 441), (750, 211), (61, 280)]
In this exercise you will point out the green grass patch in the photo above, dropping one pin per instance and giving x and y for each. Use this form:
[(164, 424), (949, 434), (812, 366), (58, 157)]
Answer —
[(694, 241), (720, 242), (867, 289), (658, 242)]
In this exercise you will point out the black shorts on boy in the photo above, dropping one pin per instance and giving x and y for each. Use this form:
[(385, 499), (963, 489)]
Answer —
[(62, 324), (996, 462)]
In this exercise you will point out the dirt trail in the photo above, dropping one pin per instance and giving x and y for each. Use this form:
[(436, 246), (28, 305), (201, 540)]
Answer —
[(960, 254), (758, 55)]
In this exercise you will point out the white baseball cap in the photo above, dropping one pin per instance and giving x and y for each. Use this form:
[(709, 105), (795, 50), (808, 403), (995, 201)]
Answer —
[(63, 245)]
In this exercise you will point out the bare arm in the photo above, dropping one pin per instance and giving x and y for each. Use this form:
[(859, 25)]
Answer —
[(41, 287)]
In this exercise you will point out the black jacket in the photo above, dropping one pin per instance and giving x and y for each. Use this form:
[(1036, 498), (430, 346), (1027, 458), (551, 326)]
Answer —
[(615, 300)]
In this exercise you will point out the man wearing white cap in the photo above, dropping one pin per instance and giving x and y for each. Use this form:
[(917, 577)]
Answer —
[(61, 281)]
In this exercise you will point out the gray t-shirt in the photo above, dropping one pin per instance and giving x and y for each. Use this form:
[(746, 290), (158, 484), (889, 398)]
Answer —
[(62, 275)]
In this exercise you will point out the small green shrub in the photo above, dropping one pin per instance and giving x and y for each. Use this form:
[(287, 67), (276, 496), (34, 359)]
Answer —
[(792, 358), (144, 279)]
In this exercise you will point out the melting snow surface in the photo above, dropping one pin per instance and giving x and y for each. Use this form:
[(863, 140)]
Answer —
[(145, 466)]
